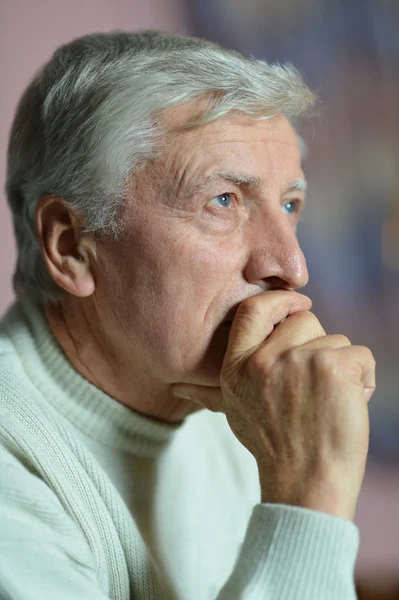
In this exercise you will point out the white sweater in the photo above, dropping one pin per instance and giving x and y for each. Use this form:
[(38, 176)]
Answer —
[(97, 502)]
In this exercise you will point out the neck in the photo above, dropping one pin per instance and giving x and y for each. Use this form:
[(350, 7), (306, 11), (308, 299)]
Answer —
[(127, 379)]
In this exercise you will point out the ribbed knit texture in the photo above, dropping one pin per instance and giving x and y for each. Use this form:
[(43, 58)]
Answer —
[(99, 502)]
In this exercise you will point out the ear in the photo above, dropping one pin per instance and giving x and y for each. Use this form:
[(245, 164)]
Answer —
[(69, 254)]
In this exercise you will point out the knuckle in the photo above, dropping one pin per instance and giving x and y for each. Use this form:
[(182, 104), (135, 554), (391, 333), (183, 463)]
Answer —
[(309, 316), (259, 364), (311, 322), (324, 361), (366, 355), (343, 340), (315, 323), (292, 357)]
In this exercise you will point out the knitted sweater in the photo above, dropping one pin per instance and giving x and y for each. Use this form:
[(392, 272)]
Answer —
[(98, 502)]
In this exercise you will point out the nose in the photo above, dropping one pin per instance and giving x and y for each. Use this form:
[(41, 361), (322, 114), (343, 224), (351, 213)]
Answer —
[(274, 255)]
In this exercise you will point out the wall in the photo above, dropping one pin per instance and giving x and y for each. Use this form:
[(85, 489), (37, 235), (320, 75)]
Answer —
[(29, 33)]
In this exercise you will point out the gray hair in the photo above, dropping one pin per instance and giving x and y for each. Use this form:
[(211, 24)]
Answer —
[(87, 121)]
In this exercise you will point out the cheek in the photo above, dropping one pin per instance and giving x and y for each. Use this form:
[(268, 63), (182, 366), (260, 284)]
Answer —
[(190, 281), (171, 280), (167, 297), (204, 287)]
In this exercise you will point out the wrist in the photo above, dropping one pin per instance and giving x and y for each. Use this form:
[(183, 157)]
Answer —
[(325, 498)]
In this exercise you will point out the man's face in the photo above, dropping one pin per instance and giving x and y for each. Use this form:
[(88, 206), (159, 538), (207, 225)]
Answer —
[(211, 222)]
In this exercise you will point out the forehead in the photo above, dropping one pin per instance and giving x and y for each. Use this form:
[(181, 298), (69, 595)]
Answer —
[(234, 141)]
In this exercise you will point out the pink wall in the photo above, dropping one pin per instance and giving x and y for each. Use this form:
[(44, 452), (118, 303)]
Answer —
[(29, 32)]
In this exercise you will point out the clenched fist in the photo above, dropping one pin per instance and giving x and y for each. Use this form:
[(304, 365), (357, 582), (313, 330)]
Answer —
[(296, 398)]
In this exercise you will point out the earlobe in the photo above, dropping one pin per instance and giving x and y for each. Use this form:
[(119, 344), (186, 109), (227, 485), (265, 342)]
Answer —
[(67, 252), (75, 276)]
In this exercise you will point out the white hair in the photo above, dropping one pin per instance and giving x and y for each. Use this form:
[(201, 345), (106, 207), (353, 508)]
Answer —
[(86, 122)]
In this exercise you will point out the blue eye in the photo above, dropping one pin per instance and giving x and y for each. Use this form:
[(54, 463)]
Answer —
[(291, 207), (222, 201)]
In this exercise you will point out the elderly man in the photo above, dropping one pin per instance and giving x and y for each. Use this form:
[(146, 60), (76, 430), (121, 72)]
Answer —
[(155, 184)]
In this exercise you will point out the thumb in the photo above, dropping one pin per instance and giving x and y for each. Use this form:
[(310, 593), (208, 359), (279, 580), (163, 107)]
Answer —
[(208, 397)]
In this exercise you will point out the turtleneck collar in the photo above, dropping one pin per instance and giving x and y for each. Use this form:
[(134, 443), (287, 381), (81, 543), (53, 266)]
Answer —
[(88, 408)]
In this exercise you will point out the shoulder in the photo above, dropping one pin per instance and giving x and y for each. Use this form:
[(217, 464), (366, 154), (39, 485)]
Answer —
[(25, 496), (41, 547), (42, 505)]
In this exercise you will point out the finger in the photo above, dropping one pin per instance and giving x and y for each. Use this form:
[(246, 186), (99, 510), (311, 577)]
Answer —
[(334, 341), (208, 397), (341, 343), (257, 316), (353, 363), (296, 330), (361, 358)]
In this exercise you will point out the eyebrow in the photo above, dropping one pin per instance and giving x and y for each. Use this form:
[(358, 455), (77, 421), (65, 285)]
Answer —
[(299, 185), (250, 181), (239, 179)]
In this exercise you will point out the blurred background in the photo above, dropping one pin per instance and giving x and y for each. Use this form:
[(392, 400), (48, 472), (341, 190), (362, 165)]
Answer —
[(348, 51)]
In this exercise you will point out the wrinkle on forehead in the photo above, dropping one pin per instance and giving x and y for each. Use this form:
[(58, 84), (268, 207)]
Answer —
[(188, 154), (176, 120), (225, 129)]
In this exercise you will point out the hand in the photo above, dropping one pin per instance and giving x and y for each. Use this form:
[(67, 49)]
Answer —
[(296, 398)]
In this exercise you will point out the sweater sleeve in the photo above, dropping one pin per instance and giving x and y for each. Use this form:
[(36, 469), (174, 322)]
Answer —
[(292, 553), (43, 554)]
